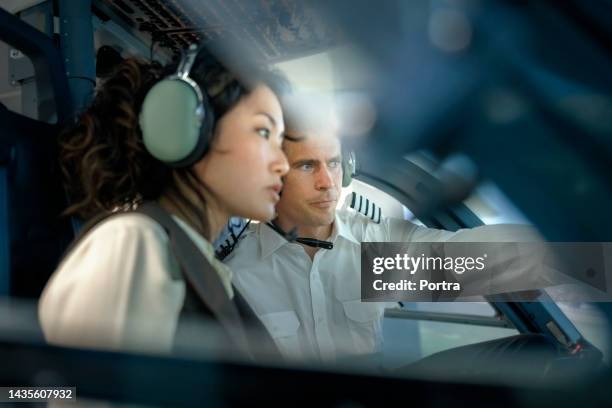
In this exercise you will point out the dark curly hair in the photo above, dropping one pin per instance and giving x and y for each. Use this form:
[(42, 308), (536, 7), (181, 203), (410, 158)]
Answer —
[(102, 157)]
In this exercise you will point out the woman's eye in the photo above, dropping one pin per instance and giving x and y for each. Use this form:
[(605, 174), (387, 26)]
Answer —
[(263, 132)]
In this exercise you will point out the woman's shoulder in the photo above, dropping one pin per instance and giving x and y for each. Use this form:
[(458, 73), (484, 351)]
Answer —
[(119, 275), (131, 223), (120, 243), (117, 236), (118, 247)]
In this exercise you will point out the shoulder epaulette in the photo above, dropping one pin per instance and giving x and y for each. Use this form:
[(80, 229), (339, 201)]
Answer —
[(365, 206)]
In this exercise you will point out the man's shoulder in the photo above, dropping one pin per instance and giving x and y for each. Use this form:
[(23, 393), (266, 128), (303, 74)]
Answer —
[(349, 215), (362, 227), (247, 248)]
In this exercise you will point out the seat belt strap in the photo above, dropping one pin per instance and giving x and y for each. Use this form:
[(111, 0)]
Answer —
[(200, 274)]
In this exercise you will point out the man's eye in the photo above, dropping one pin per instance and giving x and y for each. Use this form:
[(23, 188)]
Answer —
[(306, 167), (334, 164), (263, 132)]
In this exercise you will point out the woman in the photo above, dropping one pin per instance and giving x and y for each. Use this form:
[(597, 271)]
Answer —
[(121, 286)]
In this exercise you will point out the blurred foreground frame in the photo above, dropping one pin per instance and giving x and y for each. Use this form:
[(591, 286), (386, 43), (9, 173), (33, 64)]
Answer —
[(522, 88)]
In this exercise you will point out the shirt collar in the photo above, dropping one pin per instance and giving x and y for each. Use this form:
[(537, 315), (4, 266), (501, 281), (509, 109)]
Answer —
[(225, 273), (342, 230), (271, 240)]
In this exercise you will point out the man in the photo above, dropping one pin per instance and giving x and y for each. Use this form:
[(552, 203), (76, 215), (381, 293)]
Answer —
[(308, 297)]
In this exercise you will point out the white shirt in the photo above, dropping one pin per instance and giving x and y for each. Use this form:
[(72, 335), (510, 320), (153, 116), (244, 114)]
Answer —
[(118, 289), (313, 308)]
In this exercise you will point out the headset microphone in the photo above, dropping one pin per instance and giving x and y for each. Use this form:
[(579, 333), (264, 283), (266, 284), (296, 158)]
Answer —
[(315, 243), (291, 236)]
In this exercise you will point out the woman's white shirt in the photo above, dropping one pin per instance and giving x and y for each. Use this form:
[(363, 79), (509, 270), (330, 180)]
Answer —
[(119, 288)]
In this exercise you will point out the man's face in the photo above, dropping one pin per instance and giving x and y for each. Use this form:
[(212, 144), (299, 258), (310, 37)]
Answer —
[(312, 186)]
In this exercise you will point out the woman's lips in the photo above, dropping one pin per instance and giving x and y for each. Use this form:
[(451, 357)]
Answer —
[(276, 187), (275, 193)]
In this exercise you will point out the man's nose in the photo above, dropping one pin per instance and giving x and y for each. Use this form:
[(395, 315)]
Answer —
[(324, 180)]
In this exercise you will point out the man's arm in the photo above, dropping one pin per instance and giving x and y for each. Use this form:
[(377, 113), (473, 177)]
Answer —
[(514, 263), (398, 230)]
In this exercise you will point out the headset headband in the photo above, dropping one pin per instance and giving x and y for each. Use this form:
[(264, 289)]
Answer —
[(182, 74)]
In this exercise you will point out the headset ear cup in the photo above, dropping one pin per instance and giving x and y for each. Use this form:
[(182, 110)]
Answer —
[(171, 120), (204, 139), (348, 168)]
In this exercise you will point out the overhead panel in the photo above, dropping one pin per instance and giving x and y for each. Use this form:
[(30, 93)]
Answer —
[(277, 30)]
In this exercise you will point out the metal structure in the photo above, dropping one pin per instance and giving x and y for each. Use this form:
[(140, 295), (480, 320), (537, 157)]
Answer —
[(277, 30)]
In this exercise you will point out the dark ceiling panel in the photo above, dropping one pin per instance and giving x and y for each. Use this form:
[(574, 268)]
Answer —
[(276, 29)]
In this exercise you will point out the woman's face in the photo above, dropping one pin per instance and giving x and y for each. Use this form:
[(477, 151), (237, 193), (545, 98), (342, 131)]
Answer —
[(244, 167)]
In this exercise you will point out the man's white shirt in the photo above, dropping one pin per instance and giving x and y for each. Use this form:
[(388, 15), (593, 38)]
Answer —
[(312, 308)]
